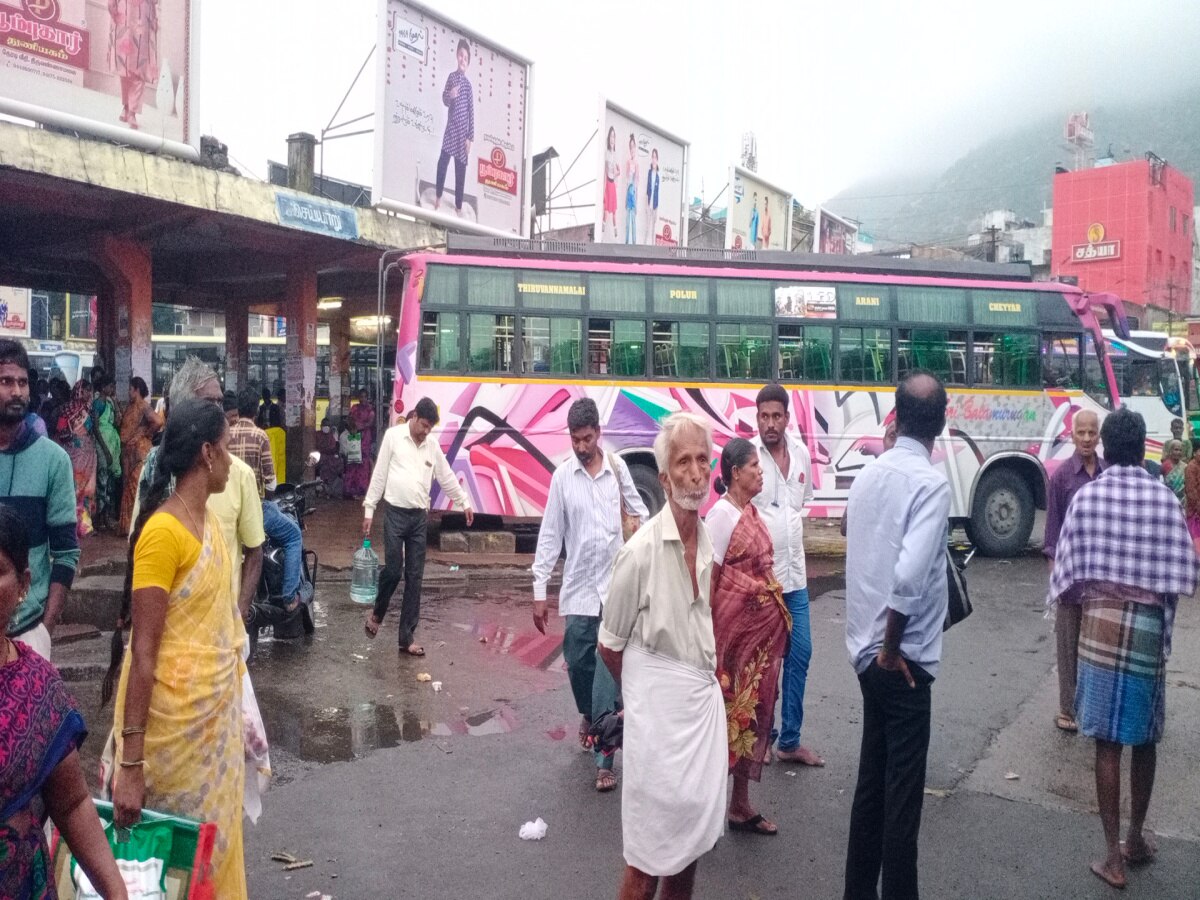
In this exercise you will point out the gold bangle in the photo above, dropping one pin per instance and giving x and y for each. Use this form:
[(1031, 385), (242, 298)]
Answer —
[(132, 764), (126, 732)]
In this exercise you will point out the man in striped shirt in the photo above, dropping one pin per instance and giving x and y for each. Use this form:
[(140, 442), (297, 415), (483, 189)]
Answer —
[(583, 511)]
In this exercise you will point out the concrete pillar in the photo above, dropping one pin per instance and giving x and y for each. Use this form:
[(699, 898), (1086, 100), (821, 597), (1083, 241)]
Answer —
[(237, 347), (339, 367), (302, 155), (300, 375), (126, 266)]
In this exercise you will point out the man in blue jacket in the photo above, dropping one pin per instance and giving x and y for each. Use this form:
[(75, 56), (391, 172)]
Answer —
[(37, 483)]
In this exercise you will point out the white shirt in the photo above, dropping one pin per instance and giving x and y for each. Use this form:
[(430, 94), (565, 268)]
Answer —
[(585, 513), (720, 522), (650, 600), (781, 505), (404, 473), (896, 556)]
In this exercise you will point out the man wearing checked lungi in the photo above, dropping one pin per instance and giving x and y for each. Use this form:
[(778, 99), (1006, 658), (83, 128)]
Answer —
[(1125, 551), (657, 640)]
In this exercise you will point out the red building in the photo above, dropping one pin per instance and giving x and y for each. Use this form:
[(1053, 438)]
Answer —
[(1126, 228)]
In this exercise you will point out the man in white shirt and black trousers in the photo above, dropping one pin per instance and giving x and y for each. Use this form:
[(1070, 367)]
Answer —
[(896, 597), (404, 472), (583, 511)]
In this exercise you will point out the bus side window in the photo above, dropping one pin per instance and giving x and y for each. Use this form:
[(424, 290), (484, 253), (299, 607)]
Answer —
[(616, 347), (865, 355), (1006, 360), (490, 343), (806, 352), (440, 351), (681, 349), (550, 345), (744, 352), (944, 353)]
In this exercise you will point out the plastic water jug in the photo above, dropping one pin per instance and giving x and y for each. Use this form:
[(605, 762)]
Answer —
[(364, 579)]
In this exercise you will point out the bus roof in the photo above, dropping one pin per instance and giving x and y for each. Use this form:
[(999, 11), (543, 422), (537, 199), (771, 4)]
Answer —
[(581, 251)]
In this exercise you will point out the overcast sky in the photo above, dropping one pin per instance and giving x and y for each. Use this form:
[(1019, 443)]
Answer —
[(834, 91)]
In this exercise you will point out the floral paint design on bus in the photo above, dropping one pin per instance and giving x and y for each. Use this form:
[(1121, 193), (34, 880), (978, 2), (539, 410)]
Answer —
[(504, 440)]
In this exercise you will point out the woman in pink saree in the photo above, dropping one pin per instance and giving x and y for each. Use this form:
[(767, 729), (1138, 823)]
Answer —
[(751, 624), (133, 52)]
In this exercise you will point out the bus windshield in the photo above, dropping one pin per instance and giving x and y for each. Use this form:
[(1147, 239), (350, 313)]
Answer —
[(1153, 383), (505, 343)]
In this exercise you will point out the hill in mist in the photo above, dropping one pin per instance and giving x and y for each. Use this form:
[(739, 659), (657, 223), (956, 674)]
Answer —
[(1014, 171)]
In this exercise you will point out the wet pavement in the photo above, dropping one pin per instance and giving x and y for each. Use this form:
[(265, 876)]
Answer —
[(394, 789)]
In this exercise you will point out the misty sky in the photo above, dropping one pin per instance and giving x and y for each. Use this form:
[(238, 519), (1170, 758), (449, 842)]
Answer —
[(834, 92)]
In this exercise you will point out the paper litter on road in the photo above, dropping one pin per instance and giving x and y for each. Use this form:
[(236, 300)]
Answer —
[(533, 831), (1011, 776), (424, 676), (938, 792)]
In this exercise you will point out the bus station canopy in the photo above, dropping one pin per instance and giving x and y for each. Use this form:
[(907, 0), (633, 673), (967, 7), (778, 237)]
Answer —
[(212, 238)]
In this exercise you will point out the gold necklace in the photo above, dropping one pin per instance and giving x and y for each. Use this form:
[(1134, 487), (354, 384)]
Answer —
[(195, 524)]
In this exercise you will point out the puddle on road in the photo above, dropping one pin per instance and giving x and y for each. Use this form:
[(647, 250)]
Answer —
[(341, 733)]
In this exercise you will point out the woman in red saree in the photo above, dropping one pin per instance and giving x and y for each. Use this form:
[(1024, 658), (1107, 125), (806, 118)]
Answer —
[(751, 624)]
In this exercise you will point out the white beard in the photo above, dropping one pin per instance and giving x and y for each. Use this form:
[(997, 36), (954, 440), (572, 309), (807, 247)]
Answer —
[(688, 500)]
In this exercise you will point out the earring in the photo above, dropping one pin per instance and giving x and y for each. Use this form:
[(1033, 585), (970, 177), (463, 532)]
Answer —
[(210, 465)]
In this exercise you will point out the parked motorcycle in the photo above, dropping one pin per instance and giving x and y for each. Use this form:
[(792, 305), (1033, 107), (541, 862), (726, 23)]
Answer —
[(268, 609)]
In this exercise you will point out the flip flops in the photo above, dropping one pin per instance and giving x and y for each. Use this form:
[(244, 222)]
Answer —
[(754, 825)]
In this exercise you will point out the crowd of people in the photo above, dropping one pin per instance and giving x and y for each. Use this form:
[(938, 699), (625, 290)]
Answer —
[(682, 635)]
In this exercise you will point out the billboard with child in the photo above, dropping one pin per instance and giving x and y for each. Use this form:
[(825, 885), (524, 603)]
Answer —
[(451, 124)]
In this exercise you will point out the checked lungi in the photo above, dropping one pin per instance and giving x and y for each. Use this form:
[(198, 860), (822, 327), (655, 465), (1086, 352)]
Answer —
[(1121, 691)]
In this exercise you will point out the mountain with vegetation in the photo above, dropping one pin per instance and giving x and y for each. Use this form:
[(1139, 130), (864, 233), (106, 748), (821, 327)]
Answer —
[(1015, 171)]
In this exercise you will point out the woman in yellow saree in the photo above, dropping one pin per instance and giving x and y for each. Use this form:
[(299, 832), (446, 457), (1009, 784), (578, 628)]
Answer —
[(178, 720)]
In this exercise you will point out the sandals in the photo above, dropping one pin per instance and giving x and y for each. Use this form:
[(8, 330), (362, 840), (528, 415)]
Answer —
[(756, 824), (1063, 722), (413, 650), (606, 781), (586, 740)]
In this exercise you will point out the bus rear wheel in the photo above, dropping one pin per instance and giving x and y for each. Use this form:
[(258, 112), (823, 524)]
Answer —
[(645, 480), (1002, 515)]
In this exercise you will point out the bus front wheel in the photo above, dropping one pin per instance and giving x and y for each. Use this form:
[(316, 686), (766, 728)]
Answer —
[(645, 480), (1002, 515)]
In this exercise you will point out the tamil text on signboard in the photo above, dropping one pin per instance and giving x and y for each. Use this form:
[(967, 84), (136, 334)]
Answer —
[(121, 69)]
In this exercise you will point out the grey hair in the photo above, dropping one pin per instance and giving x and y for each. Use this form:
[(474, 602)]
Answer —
[(666, 434), (192, 375)]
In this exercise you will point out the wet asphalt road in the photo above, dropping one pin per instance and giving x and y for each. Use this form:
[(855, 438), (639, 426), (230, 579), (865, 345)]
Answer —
[(394, 790)]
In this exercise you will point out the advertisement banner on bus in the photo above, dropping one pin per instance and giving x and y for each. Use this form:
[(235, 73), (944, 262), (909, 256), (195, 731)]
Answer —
[(759, 214), (122, 70), (642, 181), (833, 234), (451, 124), (14, 312)]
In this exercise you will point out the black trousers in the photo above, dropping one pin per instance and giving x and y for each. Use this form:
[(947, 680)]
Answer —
[(886, 817), (460, 177), (404, 533)]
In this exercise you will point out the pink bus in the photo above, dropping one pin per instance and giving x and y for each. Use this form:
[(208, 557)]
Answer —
[(503, 335)]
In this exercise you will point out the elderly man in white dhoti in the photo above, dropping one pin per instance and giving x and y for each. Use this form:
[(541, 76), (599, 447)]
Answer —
[(657, 640)]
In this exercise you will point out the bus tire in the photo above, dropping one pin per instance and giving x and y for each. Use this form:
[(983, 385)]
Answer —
[(645, 480), (1002, 514)]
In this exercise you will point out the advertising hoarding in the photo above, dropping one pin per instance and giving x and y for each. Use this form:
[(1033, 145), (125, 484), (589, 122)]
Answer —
[(14, 312), (759, 215), (833, 234), (642, 181), (121, 69), (451, 124)]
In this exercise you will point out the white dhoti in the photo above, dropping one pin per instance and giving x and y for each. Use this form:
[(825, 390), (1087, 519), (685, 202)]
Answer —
[(676, 762)]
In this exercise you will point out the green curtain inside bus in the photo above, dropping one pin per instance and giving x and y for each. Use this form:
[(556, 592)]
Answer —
[(931, 304), (490, 343), (491, 287), (870, 302), (744, 298), (617, 293)]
